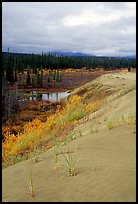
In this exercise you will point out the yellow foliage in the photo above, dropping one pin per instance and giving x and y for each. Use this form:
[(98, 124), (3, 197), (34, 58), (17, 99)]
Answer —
[(36, 123), (93, 106), (75, 99), (36, 131)]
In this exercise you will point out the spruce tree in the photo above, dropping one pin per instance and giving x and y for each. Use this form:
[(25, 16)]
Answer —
[(15, 72), (41, 82), (9, 69), (28, 80)]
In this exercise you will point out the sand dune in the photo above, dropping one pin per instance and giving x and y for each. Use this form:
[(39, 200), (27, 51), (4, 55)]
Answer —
[(106, 158)]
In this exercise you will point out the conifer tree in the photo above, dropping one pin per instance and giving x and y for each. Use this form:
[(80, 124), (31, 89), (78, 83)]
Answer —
[(9, 69), (41, 82), (28, 80), (15, 72)]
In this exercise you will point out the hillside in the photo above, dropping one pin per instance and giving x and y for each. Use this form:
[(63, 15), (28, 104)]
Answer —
[(103, 146)]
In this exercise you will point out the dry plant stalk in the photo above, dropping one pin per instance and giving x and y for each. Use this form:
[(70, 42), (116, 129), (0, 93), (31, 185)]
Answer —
[(31, 188)]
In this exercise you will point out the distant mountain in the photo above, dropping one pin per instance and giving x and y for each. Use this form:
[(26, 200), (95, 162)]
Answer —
[(130, 57), (126, 57), (77, 54)]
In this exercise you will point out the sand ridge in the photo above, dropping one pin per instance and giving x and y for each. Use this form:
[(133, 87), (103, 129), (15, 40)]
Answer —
[(106, 159)]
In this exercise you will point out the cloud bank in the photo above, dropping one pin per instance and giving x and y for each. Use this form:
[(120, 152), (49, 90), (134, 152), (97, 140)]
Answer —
[(99, 28)]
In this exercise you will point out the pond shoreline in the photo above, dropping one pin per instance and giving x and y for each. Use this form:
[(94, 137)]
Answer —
[(42, 96), (46, 91), (71, 80)]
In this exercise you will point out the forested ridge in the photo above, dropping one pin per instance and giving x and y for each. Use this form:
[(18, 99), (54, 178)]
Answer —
[(18, 62)]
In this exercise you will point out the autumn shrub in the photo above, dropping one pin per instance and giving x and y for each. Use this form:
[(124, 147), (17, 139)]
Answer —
[(74, 115), (93, 106), (38, 134)]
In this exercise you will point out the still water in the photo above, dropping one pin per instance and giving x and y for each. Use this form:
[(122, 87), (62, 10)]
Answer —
[(52, 97)]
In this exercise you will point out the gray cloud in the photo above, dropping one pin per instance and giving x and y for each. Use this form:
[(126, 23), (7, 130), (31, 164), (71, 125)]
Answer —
[(101, 28)]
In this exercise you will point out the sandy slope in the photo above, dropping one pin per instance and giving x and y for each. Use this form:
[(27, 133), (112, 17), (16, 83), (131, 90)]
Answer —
[(106, 159)]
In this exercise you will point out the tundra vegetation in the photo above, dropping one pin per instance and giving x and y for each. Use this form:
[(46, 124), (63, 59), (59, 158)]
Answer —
[(41, 135), (25, 127)]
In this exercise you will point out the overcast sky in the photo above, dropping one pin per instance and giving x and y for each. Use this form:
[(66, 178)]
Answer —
[(99, 28)]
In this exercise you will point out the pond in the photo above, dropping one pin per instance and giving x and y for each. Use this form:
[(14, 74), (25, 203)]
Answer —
[(51, 97)]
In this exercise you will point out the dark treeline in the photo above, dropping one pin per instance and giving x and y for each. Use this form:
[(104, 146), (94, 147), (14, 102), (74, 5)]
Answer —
[(13, 63)]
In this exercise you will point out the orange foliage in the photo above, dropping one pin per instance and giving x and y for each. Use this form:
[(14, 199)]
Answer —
[(93, 106), (36, 131)]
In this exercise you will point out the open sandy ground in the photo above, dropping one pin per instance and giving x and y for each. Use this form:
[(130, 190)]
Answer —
[(106, 158)]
